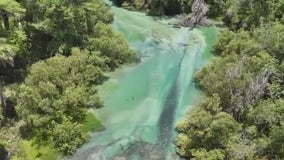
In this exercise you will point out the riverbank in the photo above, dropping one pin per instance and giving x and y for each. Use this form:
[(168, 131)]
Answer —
[(135, 96)]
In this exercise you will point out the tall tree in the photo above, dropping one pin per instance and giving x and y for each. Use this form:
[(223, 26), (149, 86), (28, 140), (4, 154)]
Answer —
[(9, 8)]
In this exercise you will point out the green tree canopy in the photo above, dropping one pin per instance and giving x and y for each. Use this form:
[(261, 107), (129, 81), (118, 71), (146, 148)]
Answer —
[(57, 88)]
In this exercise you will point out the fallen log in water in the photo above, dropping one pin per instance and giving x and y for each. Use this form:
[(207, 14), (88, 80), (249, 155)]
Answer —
[(196, 18)]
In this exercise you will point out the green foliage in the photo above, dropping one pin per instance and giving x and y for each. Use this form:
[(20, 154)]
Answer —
[(206, 131), (67, 136), (31, 151), (58, 88), (50, 34), (216, 7), (230, 43), (270, 38), (171, 7), (230, 80), (7, 53), (215, 154), (57, 93), (236, 14), (266, 115), (112, 46), (12, 44), (62, 49), (10, 137), (247, 83), (11, 6), (277, 141), (91, 123), (18, 39), (250, 14)]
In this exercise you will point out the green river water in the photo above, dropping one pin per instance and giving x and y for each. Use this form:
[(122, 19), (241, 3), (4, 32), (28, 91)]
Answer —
[(143, 102)]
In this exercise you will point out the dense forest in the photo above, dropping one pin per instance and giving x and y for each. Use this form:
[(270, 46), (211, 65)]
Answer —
[(243, 114), (174, 7), (52, 55)]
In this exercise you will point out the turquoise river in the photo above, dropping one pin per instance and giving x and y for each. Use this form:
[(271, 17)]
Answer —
[(143, 102)]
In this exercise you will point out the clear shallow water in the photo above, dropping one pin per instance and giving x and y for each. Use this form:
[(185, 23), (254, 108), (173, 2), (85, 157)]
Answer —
[(143, 102)]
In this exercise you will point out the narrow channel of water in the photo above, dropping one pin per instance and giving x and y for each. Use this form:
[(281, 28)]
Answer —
[(143, 102)]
